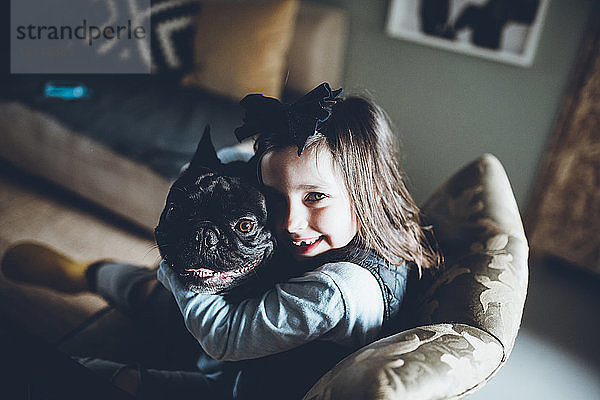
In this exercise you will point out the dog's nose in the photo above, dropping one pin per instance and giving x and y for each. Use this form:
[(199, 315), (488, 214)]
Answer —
[(208, 237), (211, 237)]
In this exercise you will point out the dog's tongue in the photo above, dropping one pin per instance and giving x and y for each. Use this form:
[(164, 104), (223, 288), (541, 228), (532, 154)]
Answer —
[(203, 272)]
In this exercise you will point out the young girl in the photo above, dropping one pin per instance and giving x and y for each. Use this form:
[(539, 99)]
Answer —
[(341, 207)]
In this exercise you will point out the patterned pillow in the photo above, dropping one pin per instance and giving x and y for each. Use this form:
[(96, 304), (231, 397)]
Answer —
[(173, 27), (171, 22)]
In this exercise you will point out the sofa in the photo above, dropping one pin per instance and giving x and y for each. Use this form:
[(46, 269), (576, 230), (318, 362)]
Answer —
[(121, 147), (128, 139)]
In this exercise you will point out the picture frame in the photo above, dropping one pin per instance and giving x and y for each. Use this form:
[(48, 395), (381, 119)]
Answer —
[(500, 30)]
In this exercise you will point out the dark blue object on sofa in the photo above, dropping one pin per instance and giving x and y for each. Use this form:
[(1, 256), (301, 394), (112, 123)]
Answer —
[(151, 119)]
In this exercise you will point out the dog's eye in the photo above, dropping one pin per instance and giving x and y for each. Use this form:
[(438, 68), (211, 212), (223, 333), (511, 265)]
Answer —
[(245, 225), (171, 211)]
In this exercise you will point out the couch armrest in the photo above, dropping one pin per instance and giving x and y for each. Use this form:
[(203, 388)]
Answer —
[(428, 362), (478, 226)]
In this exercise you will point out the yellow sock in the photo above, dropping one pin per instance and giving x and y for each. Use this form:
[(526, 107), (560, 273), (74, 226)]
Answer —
[(37, 264)]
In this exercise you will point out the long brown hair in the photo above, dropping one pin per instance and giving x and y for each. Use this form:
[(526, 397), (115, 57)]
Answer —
[(359, 137)]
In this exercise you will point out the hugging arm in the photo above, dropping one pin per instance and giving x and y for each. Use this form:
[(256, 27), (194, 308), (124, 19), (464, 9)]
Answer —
[(286, 316)]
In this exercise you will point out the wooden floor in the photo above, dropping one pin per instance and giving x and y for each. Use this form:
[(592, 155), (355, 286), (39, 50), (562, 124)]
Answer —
[(31, 209)]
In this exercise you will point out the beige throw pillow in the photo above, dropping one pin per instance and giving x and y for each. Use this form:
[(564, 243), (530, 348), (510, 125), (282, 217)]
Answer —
[(240, 47)]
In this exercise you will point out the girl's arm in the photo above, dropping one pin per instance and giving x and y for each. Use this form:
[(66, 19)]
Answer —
[(341, 301)]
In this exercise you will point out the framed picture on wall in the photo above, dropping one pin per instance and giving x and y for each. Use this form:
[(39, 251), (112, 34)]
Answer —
[(500, 30)]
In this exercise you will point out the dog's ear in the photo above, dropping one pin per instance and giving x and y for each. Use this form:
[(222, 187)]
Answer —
[(206, 155)]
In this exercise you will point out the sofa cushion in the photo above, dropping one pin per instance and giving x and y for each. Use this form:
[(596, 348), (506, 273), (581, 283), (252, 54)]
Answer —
[(241, 47), (317, 51)]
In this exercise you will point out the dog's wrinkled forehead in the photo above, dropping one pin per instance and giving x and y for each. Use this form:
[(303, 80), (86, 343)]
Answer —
[(217, 193), (201, 178), (211, 182)]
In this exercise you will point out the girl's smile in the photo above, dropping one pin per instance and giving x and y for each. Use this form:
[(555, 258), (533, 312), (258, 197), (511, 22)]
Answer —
[(309, 200), (305, 246)]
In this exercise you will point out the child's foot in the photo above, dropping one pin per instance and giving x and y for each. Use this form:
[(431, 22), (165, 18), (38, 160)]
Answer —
[(35, 263)]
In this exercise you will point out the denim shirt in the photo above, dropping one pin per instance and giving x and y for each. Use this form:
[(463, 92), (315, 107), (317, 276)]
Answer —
[(392, 281)]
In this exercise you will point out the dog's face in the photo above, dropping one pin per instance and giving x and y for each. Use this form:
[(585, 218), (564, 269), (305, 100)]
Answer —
[(213, 230)]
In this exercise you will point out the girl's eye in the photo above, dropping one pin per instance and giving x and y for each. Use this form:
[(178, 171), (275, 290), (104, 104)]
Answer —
[(245, 225), (315, 196)]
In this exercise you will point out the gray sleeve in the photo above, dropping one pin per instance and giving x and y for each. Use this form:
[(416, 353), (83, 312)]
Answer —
[(327, 303)]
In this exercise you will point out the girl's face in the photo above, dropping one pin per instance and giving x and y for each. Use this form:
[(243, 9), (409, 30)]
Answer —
[(310, 202)]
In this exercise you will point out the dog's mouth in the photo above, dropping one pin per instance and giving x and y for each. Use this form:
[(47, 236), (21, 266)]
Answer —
[(209, 277), (209, 273)]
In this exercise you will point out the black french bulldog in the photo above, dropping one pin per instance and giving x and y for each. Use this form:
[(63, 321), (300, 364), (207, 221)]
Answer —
[(213, 230)]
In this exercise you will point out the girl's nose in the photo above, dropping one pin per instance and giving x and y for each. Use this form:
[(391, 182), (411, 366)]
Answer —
[(297, 218)]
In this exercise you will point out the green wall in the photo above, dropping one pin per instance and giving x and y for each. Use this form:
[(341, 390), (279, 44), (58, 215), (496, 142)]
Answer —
[(450, 108)]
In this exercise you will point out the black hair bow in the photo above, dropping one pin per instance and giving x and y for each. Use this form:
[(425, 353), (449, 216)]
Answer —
[(300, 120)]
